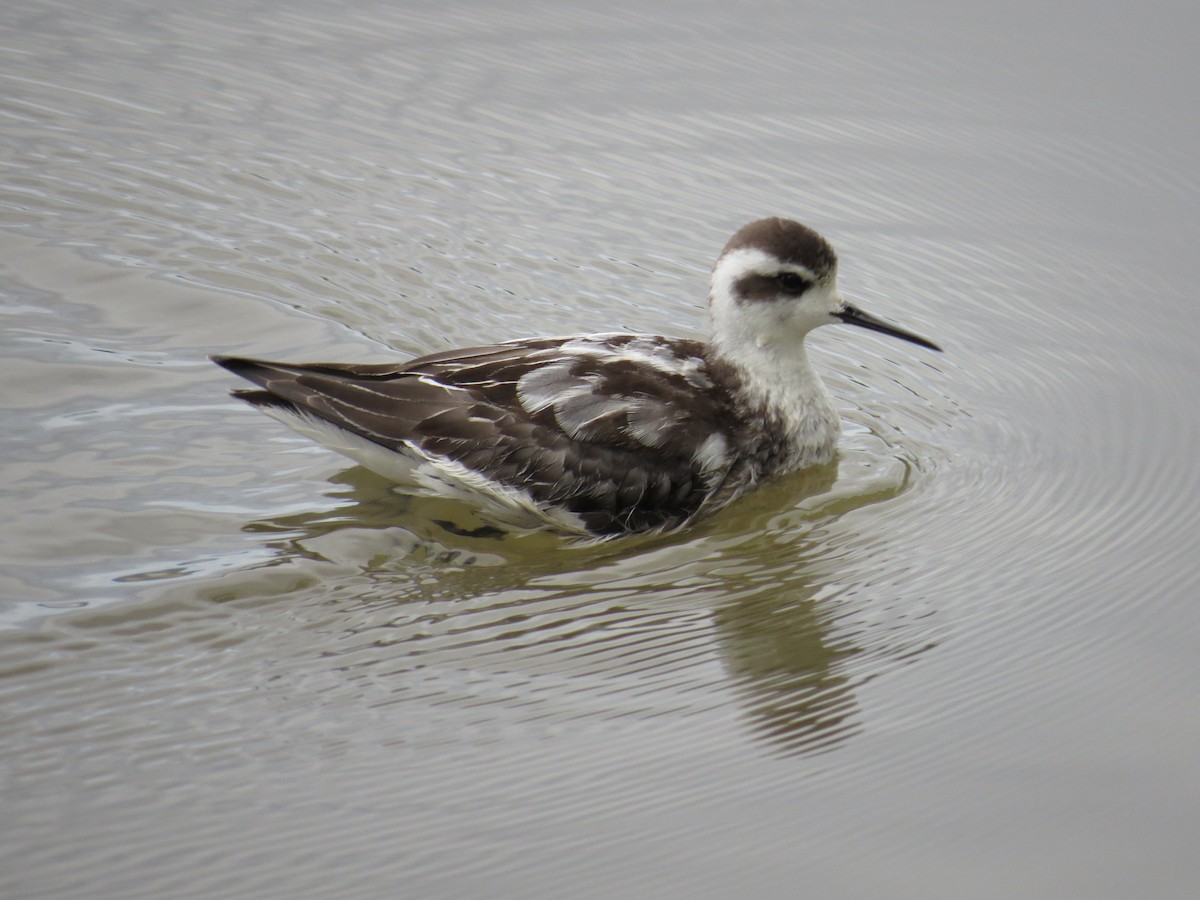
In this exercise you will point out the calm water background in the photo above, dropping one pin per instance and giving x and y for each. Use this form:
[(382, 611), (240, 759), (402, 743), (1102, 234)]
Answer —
[(232, 665)]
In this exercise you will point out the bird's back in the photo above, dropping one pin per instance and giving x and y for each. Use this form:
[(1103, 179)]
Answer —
[(616, 433)]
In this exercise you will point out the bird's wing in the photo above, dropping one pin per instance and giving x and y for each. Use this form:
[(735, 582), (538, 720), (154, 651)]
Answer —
[(624, 430)]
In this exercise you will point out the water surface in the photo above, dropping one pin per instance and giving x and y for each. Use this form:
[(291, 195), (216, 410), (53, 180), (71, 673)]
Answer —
[(962, 665)]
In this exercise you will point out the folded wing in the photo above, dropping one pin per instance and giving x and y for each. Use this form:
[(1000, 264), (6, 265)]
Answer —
[(624, 431)]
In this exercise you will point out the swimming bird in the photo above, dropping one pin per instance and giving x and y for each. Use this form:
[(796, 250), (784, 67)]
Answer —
[(599, 435)]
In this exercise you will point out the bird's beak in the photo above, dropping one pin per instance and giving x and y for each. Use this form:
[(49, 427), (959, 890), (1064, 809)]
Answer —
[(852, 315)]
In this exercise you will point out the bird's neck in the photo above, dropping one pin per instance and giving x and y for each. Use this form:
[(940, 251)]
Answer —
[(776, 390)]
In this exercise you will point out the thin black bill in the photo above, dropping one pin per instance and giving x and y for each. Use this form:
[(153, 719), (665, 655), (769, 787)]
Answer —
[(852, 315)]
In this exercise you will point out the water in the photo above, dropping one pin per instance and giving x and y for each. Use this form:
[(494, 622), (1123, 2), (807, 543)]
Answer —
[(233, 665)]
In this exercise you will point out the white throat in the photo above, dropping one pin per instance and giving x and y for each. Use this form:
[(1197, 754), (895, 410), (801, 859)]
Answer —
[(764, 341)]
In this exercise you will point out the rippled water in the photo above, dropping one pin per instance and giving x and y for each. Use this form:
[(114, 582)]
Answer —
[(960, 665)]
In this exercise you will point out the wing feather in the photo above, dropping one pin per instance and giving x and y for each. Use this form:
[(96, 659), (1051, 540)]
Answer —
[(610, 426)]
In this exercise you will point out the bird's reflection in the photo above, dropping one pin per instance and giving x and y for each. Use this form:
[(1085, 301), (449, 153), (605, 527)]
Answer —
[(538, 606), (792, 677)]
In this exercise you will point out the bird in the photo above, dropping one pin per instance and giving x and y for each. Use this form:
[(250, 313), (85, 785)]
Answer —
[(597, 436)]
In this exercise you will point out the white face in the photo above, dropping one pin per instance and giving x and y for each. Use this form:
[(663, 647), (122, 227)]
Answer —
[(758, 303)]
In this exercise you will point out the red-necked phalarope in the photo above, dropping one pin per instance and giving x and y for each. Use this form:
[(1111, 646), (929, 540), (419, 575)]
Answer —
[(603, 434)]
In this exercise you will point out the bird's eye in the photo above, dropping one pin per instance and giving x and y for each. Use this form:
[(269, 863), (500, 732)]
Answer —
[(793, 283)]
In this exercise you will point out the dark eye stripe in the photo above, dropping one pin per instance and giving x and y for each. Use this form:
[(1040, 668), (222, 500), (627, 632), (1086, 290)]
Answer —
[(771, 287), (793, 283)]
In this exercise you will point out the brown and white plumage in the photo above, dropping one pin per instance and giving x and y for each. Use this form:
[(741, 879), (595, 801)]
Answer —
[(598, 435)]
